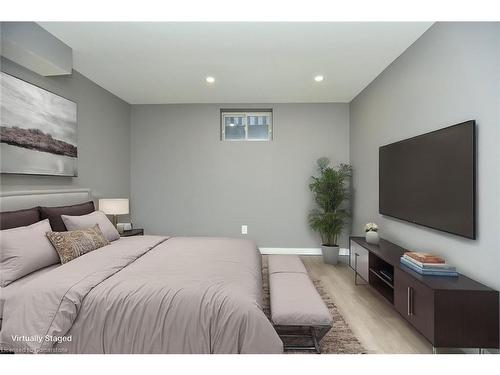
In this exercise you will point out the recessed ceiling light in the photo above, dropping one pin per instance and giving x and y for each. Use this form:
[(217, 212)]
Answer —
[(319, 78), (210, 79)]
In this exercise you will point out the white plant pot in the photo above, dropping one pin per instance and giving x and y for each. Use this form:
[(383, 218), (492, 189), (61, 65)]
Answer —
[(372, 237), (330, 254)]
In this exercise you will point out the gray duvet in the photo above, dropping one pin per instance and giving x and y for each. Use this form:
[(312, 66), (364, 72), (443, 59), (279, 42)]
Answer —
[(146, 294)]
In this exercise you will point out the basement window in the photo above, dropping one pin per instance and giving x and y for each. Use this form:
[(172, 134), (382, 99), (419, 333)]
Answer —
[(246, 124)]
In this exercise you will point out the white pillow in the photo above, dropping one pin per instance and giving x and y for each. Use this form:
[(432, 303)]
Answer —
[(89, 220), (24, 250)]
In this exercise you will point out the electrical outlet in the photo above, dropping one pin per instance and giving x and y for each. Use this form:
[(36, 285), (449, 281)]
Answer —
[(244, 229)]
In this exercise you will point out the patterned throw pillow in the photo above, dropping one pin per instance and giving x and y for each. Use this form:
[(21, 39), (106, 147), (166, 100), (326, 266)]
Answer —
[(70, 245)]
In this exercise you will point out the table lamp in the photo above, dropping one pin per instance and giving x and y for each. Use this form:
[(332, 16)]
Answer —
[(114, 207)]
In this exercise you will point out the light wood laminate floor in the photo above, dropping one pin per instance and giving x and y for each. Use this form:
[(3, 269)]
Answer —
[(373, 320)]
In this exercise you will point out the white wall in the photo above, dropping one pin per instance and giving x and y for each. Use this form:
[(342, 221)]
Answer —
[(451, 74), (186, 181)]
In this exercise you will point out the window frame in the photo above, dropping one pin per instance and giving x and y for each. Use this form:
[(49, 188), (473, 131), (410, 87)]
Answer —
[(245, 113)]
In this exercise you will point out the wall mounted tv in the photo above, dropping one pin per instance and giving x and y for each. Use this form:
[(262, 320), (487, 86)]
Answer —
[(431, 180)]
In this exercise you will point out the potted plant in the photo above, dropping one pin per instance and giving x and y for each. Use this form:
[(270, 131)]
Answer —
[(328, 218), (371, 233)]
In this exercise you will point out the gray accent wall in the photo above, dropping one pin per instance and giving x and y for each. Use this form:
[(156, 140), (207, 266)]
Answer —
[(186, 181), (451, 74), (103, 137)]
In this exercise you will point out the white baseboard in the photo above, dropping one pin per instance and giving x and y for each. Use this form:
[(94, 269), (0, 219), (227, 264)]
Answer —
[(290, 250), (296, 251)]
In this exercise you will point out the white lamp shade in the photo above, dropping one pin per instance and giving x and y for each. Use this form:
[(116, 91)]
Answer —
[(114, 206)]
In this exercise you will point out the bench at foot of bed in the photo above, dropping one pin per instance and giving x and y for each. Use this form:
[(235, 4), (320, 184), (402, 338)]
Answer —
[(297, 309)]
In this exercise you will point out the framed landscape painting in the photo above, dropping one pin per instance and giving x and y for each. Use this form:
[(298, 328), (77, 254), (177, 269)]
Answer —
[(38, 130)]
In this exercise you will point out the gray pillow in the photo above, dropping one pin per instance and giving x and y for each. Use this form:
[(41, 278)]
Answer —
[(89, 220), (54, 213), (19, 218), (25, 250)]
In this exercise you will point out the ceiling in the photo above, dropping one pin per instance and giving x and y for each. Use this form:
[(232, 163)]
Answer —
[(168, 62)]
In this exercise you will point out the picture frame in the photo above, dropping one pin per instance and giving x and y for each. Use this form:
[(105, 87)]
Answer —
[(38, 130)]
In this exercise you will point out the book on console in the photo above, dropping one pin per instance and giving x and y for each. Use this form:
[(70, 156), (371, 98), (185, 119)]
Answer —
[(427, 272), (443, 266), (424, 257)]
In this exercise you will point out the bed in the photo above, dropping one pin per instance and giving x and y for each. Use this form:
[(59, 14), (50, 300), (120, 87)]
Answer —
[(144, 294)]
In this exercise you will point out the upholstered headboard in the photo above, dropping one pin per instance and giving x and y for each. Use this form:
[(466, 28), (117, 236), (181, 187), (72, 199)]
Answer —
[(17, 200)]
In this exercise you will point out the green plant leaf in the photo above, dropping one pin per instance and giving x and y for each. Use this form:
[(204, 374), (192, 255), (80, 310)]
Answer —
[(330, 192)]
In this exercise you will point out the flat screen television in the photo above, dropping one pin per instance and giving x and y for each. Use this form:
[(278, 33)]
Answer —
[(430, 180)]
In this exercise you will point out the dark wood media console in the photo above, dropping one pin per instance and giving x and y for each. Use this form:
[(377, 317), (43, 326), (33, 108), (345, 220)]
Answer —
[(450, 312)]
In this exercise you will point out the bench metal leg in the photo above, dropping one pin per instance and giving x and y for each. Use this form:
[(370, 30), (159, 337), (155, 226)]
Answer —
[(300, 348), (315, 341), (312, 336)]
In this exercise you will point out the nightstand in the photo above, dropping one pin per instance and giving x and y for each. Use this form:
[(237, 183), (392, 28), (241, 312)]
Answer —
[(132, 232)]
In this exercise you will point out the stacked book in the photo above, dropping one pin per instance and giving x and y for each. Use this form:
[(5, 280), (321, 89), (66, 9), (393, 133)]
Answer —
[(427, 264)]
